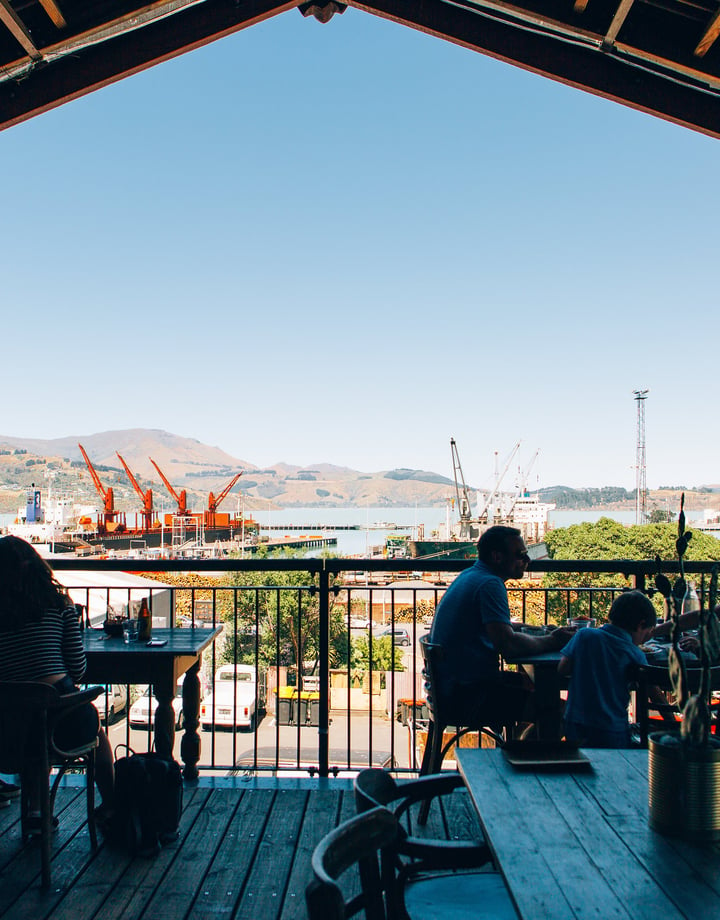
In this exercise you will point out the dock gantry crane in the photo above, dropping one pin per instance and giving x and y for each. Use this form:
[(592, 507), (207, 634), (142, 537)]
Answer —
[(145, 497), (490, 513), (463, 499), (109, 516), (214, 502), (181, 499)]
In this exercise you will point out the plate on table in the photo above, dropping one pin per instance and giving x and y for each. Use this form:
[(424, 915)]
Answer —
[(545, 755)]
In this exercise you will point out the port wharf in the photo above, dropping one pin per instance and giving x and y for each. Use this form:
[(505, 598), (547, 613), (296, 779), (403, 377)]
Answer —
[(378, 525), (310, 542)]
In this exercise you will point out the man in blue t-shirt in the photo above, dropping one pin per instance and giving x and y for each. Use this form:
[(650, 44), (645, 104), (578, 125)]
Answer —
[(472, 624), (602, 662)]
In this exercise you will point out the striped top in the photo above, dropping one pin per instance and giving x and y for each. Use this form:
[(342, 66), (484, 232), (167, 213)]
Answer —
[(51, 646)]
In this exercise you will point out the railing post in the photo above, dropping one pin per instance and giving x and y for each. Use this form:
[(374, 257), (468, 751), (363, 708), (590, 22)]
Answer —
[(640, 581), (324, 648)]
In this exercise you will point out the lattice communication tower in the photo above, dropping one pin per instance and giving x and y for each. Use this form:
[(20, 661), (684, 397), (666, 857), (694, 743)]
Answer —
[(641, 515)]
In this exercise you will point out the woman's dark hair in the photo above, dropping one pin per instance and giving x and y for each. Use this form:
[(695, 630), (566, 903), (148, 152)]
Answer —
[(27, 585)]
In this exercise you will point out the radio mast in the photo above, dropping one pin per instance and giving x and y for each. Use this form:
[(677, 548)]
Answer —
[(641, 515)]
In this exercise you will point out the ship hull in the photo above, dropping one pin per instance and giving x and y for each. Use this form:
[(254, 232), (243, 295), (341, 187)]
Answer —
[(442, 549), (150, 539)]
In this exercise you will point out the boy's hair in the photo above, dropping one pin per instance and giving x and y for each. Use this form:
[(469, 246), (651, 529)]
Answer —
[(496, 540), (630, 609)]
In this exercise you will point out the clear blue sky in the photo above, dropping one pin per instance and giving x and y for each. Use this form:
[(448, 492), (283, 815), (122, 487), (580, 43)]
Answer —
[(348, 243)]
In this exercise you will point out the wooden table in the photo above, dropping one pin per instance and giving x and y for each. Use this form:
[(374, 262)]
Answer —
[(578, 845), (543, 671), (111, 660)]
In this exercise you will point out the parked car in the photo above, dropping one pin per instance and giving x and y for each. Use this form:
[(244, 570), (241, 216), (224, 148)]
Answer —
[(142, 711), (235, 699), (400, 635), (111, 704)]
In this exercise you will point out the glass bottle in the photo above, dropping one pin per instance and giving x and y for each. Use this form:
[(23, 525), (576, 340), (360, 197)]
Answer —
[(144, 621), (690, 601)]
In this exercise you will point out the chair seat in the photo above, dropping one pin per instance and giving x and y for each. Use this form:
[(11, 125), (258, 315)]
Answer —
[(459, 895)]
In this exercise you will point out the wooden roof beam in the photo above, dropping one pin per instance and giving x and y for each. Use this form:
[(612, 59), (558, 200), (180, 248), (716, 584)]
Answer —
[(617, 23), (53, 11), (16, 27), (709, 36)]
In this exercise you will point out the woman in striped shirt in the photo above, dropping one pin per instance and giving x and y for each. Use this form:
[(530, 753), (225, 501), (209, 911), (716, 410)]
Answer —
[(40, 641)]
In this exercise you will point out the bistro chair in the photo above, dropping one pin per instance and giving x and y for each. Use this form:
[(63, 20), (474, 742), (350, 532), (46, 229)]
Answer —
[(354, 844), (370, 841), (29, 713), (655, 675), (440, 720), (374, 787)]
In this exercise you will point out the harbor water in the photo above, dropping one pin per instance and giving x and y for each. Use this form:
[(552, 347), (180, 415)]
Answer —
[(371, 535), (372, 526)]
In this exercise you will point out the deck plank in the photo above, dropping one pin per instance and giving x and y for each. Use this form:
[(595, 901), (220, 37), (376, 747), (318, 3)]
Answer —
[(136, 886), (186, 874), (321, 817), (21, 870), (243, 852), (225, 881), (263, 896)]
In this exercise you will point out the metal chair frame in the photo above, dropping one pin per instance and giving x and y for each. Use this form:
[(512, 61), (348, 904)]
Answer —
[(374, 787), (440, 720), (29, 713)]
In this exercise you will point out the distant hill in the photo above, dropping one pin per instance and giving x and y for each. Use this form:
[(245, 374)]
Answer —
[(198, 468), (137, 445)]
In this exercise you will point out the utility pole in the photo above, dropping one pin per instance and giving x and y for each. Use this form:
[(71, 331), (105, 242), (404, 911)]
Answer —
[(641, 515)]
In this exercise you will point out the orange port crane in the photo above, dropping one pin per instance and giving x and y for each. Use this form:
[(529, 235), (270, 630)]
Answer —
[(109, 514), (181, 499), (145, 497), (214, 502)]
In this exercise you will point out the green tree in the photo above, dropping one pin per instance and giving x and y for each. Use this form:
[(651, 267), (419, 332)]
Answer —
[(609, 539), (383, 658), (288, 621)]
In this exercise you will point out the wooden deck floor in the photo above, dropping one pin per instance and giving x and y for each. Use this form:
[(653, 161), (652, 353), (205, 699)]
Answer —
[(244, 852)]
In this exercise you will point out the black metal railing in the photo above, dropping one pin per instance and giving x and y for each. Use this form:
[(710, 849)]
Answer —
[(332, 693)]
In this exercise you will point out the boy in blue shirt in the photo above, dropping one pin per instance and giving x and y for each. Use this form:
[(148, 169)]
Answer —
[(601, 662)]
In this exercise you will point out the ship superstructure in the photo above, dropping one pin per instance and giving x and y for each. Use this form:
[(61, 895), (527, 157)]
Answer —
[(517, 508)]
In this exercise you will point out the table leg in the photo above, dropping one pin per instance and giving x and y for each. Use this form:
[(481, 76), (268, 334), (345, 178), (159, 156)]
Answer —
[(190, 745), (164, 718)]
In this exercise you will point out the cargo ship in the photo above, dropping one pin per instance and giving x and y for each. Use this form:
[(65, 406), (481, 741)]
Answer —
[(63, 526), (519, 509)]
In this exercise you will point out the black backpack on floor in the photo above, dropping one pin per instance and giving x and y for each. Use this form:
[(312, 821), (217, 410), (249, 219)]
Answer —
[(148, 802)]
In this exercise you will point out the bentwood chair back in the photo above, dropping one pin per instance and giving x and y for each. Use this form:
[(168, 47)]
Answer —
[(354, 845), (375, 787), (29, 712), (369, 842)]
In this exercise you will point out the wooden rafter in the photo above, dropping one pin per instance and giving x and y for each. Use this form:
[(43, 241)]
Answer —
[(617, 22), (650, 66), (53, 11), (15, 26), (709, 36)]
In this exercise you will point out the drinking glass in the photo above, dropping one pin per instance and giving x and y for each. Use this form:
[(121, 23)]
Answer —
[(130, 631)]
